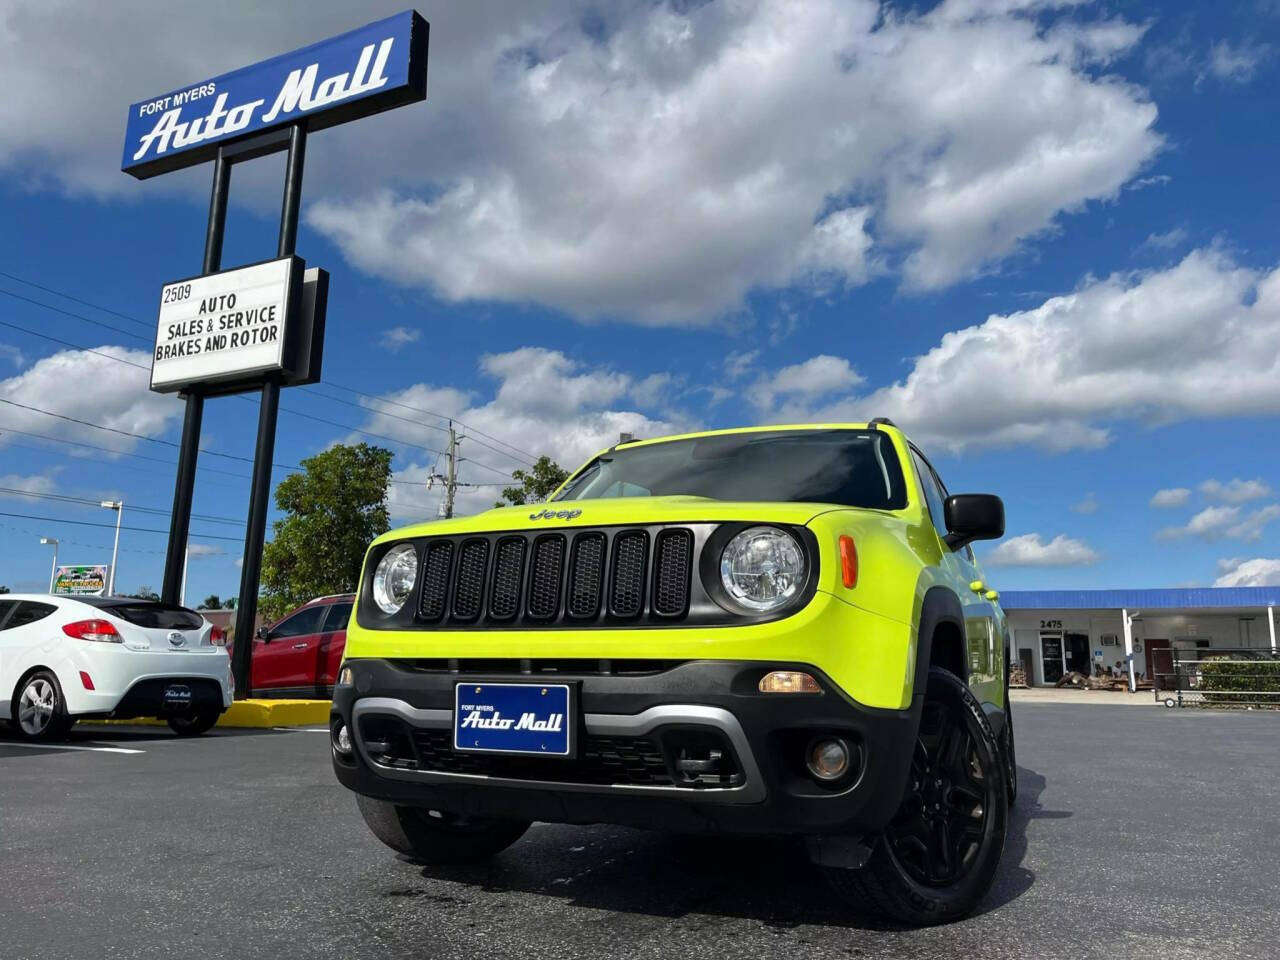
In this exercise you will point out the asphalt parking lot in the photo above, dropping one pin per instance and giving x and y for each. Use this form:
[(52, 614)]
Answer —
[(1138, 833)]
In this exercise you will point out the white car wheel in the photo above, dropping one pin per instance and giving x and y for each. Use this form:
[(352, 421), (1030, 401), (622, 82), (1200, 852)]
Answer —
[(39, 713)]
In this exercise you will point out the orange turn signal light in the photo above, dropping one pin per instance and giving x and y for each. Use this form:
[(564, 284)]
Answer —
[(788, 681), (848, 561)]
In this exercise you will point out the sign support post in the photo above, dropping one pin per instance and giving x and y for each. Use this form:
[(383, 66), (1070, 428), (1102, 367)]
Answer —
[(260, 326), (184, 485)]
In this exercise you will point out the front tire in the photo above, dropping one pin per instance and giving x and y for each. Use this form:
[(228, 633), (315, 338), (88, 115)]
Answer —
[(39, 714), (194, 724), (434, 837), (937, 857)]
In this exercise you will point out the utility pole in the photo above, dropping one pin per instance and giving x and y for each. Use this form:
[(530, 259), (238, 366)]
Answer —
[(451, 480), (118, 507), (53, 573)]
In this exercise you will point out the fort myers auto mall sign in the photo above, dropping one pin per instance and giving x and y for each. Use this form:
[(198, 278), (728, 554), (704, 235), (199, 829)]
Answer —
[(374, 68), (259, 326)]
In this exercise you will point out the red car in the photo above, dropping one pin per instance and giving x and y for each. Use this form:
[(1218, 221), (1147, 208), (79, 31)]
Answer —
[(299, 655)]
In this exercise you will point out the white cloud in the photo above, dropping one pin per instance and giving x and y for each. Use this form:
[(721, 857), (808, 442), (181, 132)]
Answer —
[(1258, 572), (33, 483), (12, 354), (1235, 62), (1168, 240), (91, 387), (817, 377), (1235, 490), (1216, 523), (644, 161), (544, 403), (1158, 180), (1029, 550), (1171, 497), (205, 550), (1088, 505), (397, 337), (1057, 376)]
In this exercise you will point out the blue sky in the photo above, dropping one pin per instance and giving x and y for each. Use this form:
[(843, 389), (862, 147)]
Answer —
[(1040, 237)]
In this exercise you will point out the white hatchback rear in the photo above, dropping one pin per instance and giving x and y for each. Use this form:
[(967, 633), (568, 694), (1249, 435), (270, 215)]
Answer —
[(63, 658)]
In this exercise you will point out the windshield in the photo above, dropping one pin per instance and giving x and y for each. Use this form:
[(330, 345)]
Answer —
[(855, 468)]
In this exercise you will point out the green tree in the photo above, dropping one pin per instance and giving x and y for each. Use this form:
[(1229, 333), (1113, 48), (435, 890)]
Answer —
[(145, 593), (333, 509), (211, 602), (536, 484), (230, 603), (3, 588)]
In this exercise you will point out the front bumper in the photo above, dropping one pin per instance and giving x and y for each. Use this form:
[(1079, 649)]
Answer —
[(635, 731)]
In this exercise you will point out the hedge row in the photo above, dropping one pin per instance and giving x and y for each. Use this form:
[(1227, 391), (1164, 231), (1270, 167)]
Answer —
[(1221, 675)]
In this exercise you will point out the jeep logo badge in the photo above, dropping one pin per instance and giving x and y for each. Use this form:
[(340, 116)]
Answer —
[(555, 515), (176, 639)]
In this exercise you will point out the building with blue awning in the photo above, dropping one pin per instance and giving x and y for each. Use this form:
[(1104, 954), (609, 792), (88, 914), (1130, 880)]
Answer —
[(1133, 633)]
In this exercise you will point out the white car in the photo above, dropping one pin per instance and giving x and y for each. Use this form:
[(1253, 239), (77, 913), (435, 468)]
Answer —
[(63, 658)]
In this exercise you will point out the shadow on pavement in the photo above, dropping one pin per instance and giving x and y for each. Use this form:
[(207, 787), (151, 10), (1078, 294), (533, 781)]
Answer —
[(765, 879)]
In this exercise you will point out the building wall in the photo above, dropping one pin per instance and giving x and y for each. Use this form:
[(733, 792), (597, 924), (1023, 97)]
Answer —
[(1231, 630)]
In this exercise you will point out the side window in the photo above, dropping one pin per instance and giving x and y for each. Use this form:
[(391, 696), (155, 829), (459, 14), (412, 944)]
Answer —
[(29, 611), (301, 623), (932, 492), (5, 607), (339, 616)]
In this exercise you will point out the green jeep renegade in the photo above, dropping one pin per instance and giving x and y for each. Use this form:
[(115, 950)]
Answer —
[(777, 630)]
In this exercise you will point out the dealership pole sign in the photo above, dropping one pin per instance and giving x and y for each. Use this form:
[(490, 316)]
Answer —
[(375, 68), (259, 326)]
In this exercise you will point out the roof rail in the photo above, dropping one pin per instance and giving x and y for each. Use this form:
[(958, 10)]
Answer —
[(882, 421)]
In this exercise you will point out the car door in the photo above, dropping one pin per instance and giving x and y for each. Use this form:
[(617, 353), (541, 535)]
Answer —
[(21, 641), (285, 658), (963, 571), (333, 641)]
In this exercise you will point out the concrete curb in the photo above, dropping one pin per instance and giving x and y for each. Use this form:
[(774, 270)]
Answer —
[(258, 714)]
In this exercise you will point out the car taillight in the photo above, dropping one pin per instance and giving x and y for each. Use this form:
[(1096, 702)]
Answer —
[(218, 637), (99, 630)]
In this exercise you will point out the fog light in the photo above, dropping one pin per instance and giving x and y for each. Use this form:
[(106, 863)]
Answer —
[(342, 739), (827, 760), (788, 681)]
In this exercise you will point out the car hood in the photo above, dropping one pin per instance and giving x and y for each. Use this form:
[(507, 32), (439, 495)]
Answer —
[(613, 512)]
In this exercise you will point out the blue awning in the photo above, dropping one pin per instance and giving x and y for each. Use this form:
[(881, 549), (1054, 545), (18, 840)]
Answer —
[(1191, 597)]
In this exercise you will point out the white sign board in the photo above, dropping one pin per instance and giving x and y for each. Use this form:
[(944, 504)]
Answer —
[(228, 326)]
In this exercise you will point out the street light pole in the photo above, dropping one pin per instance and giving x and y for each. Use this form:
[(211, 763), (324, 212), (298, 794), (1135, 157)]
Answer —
[(118, 507), (53, 572)]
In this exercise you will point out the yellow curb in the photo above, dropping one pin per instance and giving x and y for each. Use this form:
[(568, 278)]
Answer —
[(276, 713), (256, 713)]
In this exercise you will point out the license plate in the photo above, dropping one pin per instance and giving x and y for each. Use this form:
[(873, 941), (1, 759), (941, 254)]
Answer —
[(529, 718), (177, 695)]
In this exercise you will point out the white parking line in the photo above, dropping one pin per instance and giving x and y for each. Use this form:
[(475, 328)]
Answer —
[(67, 746), (302, 729)]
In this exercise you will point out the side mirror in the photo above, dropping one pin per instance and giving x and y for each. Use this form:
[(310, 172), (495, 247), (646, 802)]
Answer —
[(261, 634), (973, 516)]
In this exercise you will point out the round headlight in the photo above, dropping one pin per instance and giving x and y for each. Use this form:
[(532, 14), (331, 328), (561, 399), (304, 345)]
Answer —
[(763, 568), (394, 576)]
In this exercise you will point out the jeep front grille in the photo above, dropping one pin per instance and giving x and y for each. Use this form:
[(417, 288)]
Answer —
[(536, 578)]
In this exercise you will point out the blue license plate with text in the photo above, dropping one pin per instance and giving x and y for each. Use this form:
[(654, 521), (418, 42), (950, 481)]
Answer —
[(528, 718)]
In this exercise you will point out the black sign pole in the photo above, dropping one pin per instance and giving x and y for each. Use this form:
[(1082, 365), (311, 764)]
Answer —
[(260, 491), (184, 483)]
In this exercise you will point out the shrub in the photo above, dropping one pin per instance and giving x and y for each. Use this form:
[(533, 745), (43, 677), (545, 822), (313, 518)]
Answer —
[(1256, 682)]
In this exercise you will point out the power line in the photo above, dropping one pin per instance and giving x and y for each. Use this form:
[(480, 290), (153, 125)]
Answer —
[(67, 296), (68, 343), (112, 526), (156, 511), (118, 453), (146, 326), (77, 316)]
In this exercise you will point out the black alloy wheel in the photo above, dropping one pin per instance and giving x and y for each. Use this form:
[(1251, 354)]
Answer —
[(937, 858), (939, 828)]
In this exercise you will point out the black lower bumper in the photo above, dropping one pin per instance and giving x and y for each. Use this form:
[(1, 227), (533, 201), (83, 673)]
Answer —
[(636, 734)]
